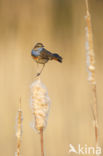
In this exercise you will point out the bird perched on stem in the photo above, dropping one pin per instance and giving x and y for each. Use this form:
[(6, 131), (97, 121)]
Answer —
[(42, 56)]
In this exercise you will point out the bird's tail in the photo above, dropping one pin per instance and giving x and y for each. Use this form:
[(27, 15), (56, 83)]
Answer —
[(57, 58)]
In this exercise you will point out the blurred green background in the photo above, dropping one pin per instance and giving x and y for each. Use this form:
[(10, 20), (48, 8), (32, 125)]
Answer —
[(60, 26)]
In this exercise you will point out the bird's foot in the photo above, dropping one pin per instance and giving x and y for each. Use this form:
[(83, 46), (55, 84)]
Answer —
[(38, 74)]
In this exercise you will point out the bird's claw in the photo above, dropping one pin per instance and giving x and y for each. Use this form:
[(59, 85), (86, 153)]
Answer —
[(38, 74)]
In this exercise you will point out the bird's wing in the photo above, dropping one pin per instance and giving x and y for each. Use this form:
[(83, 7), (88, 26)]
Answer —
[(46, 54)]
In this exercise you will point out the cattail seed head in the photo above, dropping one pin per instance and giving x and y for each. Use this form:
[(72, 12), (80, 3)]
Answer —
[(91, 69), (90, 56), (40, 103)]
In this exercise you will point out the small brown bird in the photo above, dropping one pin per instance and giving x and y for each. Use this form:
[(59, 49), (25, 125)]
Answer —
[(42, 56)]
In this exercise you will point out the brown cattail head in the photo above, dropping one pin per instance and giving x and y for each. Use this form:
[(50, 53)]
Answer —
[(40, 103)]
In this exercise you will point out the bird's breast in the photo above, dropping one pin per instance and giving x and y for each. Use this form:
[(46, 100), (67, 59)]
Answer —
[(35, 53), (40, 60), (35, 57)]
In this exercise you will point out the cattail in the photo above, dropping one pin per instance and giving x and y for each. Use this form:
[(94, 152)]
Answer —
[(90, 56), (40, 103), (19, 120)]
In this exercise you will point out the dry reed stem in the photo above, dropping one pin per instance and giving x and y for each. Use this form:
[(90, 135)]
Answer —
[(19, 130), (42, 143), (91, 69)]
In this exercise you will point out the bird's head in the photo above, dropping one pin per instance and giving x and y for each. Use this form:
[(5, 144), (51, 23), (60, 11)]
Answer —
[(38, 45)]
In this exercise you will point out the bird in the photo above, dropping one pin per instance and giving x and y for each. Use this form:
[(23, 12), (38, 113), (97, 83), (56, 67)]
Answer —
[(42, 55)]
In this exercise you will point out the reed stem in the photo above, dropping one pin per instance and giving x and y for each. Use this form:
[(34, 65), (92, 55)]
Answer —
[(19, 130), (42, 142)]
